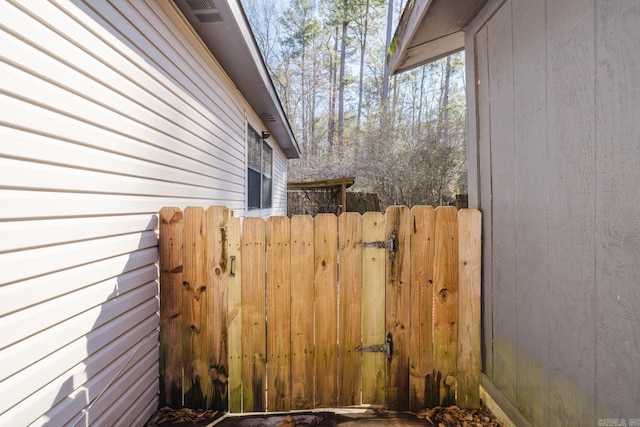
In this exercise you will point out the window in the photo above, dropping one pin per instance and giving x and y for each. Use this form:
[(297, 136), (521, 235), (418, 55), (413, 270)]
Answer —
[(260, 165)]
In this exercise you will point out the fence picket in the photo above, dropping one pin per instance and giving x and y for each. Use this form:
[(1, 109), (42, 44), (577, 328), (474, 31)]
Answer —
[(469, 363), (171, 322), (254, 326), (350, 306), (445, 313), (421, 384), (302, 312), (235, 315), (373, 302), (326, 291), (278, 314), (398, 309)]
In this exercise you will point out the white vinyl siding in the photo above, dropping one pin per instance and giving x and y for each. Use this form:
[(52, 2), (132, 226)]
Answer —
[(108, 112)]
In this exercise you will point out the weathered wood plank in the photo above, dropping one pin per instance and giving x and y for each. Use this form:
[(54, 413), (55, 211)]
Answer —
[(197, 382), (398, 309), (254, 332), (216, 282), (421, 378), (234, 319), (171, 310), (469, 266), (373, 308), (445, 312), (326, 291), (278, 314), (350, 303), (302, 312)]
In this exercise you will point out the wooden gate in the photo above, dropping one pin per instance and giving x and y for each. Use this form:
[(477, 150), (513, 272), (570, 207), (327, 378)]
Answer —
[(285, 314)]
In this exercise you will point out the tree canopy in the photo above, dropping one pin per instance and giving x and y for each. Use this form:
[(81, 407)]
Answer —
[(327, 61)]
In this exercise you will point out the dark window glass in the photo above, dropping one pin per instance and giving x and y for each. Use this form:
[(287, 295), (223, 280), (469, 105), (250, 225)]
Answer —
[(259, 172)]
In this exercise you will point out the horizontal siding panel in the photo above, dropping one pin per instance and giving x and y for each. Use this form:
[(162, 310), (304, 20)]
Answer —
[(82, 327), (39, 92), (29, 321), (148, 401), (17, 235), (21, 265), (133, 381), (21, 295), (99, 74), (51, 205), (23, 145), (64, 128), (37, 176), (72, 388), (20, 386)]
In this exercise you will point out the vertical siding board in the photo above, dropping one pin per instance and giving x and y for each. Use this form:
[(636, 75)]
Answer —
[(350, 308), (171, 312), (326, 291), (445, 311), (234, 315), (373, 303), (618, 190), (421, 378), (254, 327), (532, 185), (302, 313), (572, 216), (398, 309), (485, 193), (500, 68), (468, 363), (278, 314)]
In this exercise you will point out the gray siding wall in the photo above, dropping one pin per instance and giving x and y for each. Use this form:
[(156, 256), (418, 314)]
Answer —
[(554, 155), (108, 111)]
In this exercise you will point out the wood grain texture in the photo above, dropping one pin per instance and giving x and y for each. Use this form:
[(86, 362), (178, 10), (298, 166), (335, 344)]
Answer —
[(445, 312), (398, 308), (469, 268), (234, 316), (216, 282), (278, 314), (421, 374), (373, 308), (254, 326), (302, 312), (171, 310), (350, 309), (197, 382), (326, 291)]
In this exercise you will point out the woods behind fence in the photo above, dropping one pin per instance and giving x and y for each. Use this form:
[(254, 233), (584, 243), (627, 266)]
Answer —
[(282, 314)]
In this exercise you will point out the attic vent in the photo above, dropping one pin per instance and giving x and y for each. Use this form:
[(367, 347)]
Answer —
[(209, 17), (267, 117), (201, 4)]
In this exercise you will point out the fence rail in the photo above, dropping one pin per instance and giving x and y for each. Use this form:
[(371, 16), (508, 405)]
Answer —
[(281, 314)]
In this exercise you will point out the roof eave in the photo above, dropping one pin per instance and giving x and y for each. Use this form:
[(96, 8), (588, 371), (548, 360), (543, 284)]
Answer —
[(240, 57), (429, 30)]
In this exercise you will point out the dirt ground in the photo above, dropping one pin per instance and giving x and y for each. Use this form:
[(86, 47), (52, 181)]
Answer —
[(439, 416)]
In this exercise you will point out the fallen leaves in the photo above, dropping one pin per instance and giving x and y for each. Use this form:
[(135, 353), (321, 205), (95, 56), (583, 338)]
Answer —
[(451, 416), (168, 415)]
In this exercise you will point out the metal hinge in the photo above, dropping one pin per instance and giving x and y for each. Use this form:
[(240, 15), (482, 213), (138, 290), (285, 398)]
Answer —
[(391, 244), (387, 347)]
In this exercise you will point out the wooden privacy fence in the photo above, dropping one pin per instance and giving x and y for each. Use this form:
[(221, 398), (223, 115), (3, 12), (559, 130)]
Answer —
[(282, 314)]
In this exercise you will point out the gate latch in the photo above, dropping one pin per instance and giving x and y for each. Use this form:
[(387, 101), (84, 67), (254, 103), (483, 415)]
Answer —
[(391, 244), (387, 347)]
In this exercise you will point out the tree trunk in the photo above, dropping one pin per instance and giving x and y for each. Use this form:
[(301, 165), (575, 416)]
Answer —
[(363, 46)]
